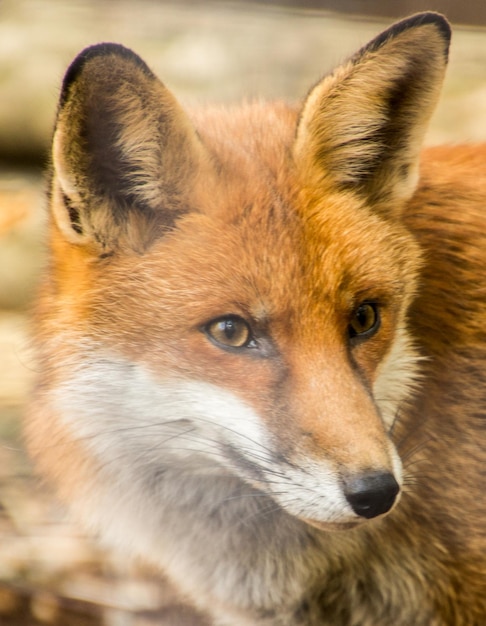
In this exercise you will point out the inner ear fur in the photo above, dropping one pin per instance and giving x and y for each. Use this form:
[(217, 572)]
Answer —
[(361, 128), (124, 151)]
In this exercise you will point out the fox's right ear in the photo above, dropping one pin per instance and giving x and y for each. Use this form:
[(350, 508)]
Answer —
[(124, 152)]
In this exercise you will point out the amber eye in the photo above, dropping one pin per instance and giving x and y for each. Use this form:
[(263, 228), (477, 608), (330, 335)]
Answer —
[(365, 321), (230, 332)]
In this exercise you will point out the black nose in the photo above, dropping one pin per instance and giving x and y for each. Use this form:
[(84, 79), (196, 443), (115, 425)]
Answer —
[(371, 494)]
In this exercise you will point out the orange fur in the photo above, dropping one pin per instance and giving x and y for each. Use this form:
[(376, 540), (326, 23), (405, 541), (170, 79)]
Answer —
[(352, 267)]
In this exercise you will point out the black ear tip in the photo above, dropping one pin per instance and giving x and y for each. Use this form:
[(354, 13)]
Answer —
[(92, 52), (430, 17), (415, 21)]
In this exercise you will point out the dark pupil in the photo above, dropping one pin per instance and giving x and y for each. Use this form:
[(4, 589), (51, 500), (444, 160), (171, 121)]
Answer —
[(364, 316), (229, 328)]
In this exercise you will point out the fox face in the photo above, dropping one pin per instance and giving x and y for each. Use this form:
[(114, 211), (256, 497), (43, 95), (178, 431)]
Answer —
[(238, 371), (224, 321)]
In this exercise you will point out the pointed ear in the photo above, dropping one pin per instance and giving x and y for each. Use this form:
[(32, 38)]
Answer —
[(362, 127), (123, 152)]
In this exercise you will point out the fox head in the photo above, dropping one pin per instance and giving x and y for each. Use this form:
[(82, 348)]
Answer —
[(228, 287)]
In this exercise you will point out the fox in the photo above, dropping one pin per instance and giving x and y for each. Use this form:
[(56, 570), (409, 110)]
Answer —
[(261, 339)]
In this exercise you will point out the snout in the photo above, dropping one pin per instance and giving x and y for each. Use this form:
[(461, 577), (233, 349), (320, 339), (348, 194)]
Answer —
[(371, 494)]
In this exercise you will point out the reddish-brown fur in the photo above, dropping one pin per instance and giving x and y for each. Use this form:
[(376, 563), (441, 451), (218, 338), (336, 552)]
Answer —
[(289, 218)]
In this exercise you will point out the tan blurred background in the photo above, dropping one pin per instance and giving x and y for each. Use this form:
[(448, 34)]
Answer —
[(49, 573)]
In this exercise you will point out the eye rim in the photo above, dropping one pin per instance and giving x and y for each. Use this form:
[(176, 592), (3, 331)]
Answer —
[(248, 343), (369, 329)]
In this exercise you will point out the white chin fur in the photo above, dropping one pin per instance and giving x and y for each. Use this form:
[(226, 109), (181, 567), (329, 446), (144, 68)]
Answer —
[(167, 490), (138, 427)]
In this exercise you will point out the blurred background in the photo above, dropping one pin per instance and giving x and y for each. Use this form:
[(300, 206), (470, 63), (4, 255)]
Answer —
[(204, 51)]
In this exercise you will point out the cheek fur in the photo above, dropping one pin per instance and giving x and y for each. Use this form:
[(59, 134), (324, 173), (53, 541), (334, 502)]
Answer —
[(397, 377), (139, 428)]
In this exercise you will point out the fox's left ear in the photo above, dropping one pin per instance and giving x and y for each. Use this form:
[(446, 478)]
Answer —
[(361, 128)]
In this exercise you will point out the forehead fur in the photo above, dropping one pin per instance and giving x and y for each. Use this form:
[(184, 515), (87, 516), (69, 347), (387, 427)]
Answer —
[(257, 245)]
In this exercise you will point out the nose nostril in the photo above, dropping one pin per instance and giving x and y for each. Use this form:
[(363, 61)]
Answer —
[(371, 494)]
